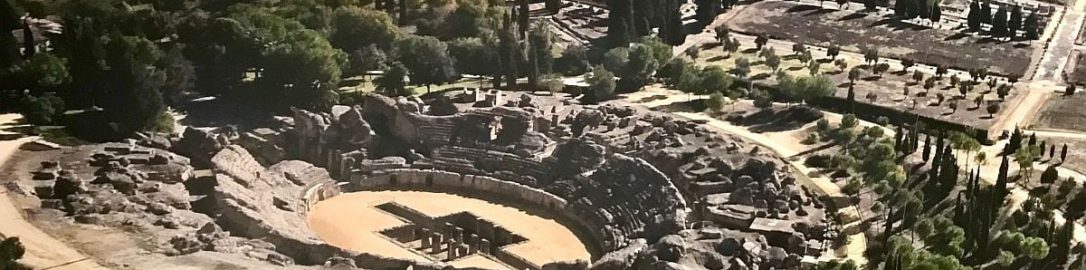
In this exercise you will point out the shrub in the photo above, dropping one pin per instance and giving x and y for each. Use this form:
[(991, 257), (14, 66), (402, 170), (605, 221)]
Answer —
[(811, 138), (42, 110), (849, 121), (822, 126), (818, 161)]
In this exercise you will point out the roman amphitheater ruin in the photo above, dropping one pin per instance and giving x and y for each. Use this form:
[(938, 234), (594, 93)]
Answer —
[(464, 180)]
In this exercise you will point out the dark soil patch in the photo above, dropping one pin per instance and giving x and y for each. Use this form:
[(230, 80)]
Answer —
[(896, 39), (1065, 113)]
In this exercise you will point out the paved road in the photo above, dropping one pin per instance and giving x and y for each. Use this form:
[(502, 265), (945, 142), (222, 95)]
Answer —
[(42, 250)]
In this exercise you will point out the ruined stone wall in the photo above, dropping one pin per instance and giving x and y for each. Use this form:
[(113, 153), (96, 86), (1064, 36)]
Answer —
[(259, 203), (408, 177)]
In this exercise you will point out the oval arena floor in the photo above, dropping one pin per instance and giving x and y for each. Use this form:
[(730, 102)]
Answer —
[(353, 221)]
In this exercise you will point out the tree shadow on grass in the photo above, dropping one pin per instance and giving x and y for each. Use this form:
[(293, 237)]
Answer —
[(959, 35), (750, 50), (794, 68), (716, 58), (802, 8), (819, 12), (852, 16), (759, 76)]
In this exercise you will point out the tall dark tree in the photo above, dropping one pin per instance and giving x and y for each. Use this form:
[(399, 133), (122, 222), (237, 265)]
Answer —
[(1001, 179), (1015, 22), (9, 20), (936, 14), (851, 97), (427, 59), (973, 18), (510, 56), (927, 148), (1031, 26), (1063, 152), (985, 12), (901, 8), (522, 17), (619, 30), (870, 4), (999, 23), (707, 11), (29, 44)]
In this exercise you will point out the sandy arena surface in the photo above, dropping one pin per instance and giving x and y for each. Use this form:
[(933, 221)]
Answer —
[(351, 221)]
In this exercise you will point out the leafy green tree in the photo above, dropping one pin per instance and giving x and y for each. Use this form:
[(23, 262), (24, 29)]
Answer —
[(355, 28), (1050, 175), (574, 60), (615, 59), (427, 60), (393, 82), (714, 79), (473, 55), (304, 69), (540, 53), (134, 101), (715, 102), (742, 67), (761, 98), (1035, 248), (760, 41), (641, 64), (372, 58), (42, 110), (660, 51), (993, 108), (180, 76)]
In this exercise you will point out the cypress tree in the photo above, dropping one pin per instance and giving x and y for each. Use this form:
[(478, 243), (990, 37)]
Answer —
[(901, 8), (927, 148), (1063, 153), (1051, 151), (973, 18), (851, 98), (898, 136), (914, 139), (1032, 139), (1031, 27), (9, 47), (1001, 180), (1015, 22), (985, 13), (29, 48), (1015, 142), (999, 23), (403, 11), (1042, 147), (870, 4), (522, 19), (936, 14)]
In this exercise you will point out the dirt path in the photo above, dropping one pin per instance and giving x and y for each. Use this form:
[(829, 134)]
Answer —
[(42, 250), (784, 148)]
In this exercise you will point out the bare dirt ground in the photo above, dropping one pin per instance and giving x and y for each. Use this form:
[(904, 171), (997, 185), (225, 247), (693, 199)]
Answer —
[(351, 221), (1078, 75), (1064, 113), (42, 250), (853, 30)]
